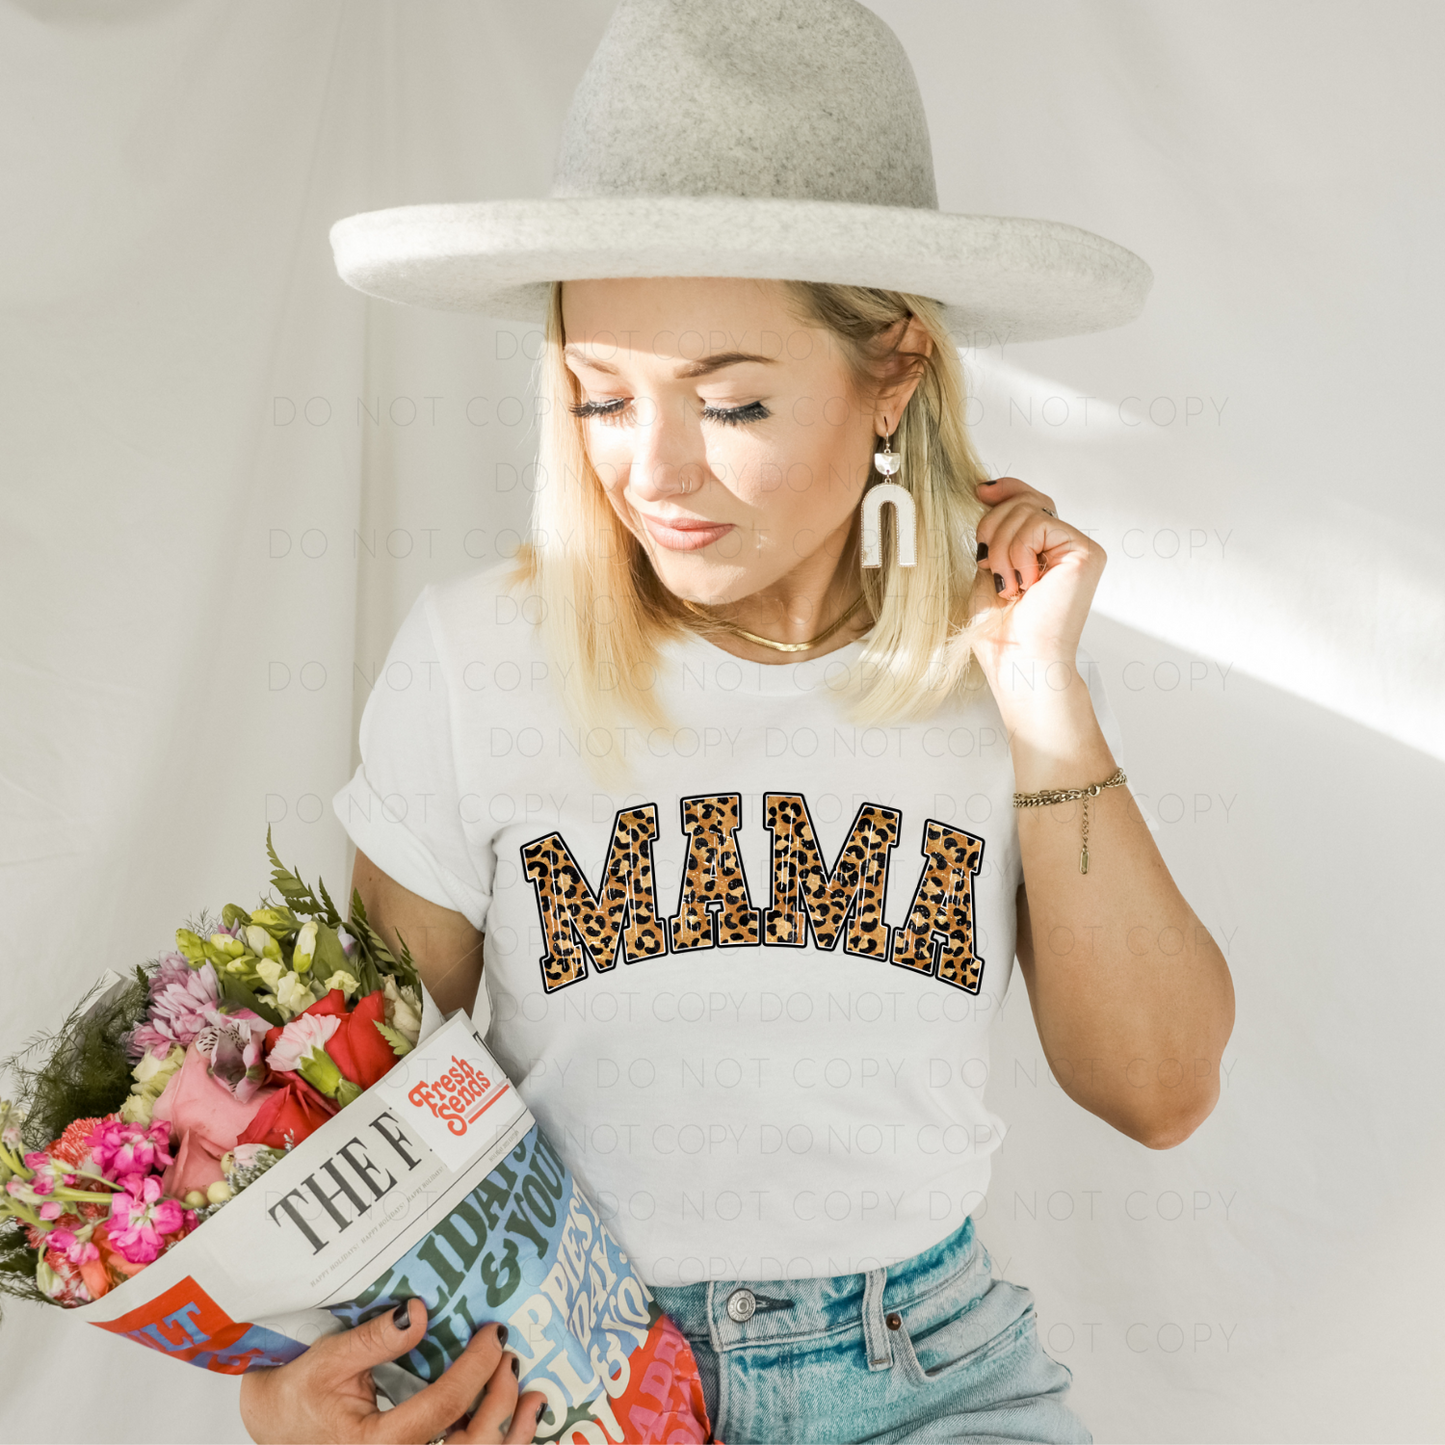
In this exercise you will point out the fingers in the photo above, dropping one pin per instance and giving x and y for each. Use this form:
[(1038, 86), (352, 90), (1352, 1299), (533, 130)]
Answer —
[(498, 1402), (524, 1421), (1017, 535), (1002, 489), (386, 1336), (499, 1405), (435, 1408)]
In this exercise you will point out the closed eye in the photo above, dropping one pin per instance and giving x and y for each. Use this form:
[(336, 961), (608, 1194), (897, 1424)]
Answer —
[(612, 408), (728, 416), (737, 415)]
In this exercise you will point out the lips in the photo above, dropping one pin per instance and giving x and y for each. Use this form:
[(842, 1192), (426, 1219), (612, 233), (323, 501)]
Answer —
[(684, 534)]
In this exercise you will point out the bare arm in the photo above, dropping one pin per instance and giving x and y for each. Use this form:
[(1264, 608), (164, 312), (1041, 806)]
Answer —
[(1132, 997), (446, 948)]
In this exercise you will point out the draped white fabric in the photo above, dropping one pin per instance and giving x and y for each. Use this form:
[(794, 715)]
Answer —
[(226, 477)]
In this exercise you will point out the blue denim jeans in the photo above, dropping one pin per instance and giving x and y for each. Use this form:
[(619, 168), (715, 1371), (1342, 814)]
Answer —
[(931, 1349)]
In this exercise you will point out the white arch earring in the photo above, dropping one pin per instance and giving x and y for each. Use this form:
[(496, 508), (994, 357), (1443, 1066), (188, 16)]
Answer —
[(905, 519)]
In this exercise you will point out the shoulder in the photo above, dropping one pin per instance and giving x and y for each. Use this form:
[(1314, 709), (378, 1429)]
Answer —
[(481, 614)]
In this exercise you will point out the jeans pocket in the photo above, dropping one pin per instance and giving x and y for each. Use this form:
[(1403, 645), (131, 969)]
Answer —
[(935, 1347)]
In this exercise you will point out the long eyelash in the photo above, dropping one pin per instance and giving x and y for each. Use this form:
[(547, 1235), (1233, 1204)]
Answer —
[(597, 408), (737, 415)]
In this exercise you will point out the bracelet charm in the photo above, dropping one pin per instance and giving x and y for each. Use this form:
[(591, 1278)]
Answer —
[(1049, 796)]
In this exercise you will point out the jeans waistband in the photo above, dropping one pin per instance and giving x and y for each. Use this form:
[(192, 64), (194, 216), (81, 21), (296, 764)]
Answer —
[(797, 1309)]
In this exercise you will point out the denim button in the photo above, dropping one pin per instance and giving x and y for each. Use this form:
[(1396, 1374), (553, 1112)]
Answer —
[(742, 1305)]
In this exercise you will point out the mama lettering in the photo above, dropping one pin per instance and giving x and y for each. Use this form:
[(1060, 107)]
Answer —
[(838, 904)]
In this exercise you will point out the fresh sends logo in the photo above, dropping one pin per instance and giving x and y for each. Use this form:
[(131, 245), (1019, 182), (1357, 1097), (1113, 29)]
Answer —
[(460, 1097), (443, 1090)]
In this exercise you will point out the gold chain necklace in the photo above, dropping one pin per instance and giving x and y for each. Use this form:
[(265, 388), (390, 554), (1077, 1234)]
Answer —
[(768, 642)]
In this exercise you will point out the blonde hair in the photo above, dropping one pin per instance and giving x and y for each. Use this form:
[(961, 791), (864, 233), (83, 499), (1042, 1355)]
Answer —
[(604, 612)]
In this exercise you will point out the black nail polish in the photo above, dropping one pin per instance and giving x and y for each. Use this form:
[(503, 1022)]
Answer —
[(401, 1316), (1020, 576), (982, 552), (997, 583), (501, 1334), (516, 1368)]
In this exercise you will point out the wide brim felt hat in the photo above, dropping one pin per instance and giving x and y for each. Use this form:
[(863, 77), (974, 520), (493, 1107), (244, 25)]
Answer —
[(749, 138)]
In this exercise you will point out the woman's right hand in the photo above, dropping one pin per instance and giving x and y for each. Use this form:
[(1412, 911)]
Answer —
[(327, 1394)]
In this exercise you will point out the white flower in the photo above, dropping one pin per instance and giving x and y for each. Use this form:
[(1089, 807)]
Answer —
[(292, 994), (342, 980), (270, 970), (151, 1076), (150, 1068), (260, 942), (299, 1037), (137, 1109), (305, 949), (403, 1010)]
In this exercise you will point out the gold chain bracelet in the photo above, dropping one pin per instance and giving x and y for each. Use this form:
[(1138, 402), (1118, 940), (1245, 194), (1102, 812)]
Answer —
[(1049, 796)]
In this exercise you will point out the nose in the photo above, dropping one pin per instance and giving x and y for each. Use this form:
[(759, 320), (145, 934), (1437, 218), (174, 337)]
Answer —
[(668, 459)]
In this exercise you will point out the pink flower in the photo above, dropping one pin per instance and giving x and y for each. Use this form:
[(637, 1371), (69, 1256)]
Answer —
[(304, 1033), (180, 997), (121, 1150), (70, 1244), (48, 1174), (206, 1116), (140, 1219)]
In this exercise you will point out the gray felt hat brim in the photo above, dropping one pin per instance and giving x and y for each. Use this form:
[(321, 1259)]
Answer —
[(1000, 278), (748, 138)]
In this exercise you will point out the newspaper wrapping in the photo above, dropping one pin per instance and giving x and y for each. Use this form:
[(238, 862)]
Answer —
[(436, 1183)]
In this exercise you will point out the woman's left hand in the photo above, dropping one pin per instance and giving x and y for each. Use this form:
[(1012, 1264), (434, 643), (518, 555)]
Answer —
[(1037, 572)]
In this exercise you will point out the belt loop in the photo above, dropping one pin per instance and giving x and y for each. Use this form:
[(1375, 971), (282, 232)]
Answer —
[(876, 1343), (714, 1338)]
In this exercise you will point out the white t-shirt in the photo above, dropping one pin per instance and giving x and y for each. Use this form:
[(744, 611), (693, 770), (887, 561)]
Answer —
[(785, 1076)]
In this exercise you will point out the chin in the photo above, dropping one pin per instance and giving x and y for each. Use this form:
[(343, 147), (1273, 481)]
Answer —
[(711, 581)]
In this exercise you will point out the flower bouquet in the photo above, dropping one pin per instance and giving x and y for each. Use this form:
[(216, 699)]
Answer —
[(270, 1134)]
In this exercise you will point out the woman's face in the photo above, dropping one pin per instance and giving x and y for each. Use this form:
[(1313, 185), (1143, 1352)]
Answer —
[(726, 432)]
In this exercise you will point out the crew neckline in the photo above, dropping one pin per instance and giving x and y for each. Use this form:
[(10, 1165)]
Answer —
[(787, 677)]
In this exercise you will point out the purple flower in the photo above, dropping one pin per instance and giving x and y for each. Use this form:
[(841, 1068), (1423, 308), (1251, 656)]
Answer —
[(181, 999), (124, 1150), (232, 1043)]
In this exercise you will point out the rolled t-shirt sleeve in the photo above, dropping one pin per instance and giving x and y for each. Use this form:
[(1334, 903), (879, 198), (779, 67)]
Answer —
[(402, 807), (1093, 674)]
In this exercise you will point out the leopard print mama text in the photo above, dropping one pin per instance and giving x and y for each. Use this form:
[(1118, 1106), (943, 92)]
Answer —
[(582, 923)]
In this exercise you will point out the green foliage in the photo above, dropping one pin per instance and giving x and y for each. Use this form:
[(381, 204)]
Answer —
[(298, 895), (403, 969), (80, 1070), (238, 994), (18, 1258), (400, 1044)]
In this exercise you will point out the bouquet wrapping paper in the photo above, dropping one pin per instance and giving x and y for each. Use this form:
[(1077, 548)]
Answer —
[(436, 1183)]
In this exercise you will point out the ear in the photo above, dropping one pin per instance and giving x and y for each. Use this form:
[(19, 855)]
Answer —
[(909, 344)]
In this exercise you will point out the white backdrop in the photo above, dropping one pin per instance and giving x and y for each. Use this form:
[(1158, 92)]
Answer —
[(225, 477)]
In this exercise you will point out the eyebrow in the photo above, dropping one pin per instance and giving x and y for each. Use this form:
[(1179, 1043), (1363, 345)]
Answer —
[(704, 366)]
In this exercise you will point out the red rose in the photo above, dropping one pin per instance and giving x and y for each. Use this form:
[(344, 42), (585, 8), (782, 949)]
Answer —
[(357, 1046), (295, 1109)]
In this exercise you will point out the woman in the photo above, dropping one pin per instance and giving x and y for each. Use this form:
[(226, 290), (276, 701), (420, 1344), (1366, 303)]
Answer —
[(748, 832)]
